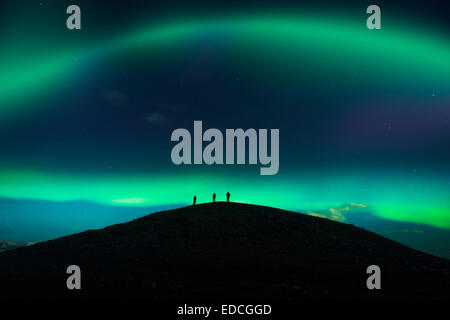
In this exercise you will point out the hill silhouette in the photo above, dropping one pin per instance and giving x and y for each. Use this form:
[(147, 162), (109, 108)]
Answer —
[(224, 251)]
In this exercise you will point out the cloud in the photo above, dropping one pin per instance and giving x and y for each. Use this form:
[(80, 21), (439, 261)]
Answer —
[(115, 98), (337, 213), (415, 235), (411, 231), (155, 118), (358, 205), (315, 214)]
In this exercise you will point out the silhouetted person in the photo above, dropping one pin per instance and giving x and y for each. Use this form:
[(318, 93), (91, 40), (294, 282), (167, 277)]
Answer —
[(195, 199), (228, 197), (214, 197)]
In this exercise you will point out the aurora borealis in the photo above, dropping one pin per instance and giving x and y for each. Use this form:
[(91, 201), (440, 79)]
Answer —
[(86, 116)]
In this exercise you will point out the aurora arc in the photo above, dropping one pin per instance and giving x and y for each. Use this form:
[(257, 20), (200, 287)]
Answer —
[(298, 41), (340, 37)]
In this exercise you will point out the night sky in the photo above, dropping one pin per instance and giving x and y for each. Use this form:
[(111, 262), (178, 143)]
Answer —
[(364, 115)]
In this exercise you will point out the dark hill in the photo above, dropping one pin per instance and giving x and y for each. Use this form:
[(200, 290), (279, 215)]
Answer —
[(224, 250)]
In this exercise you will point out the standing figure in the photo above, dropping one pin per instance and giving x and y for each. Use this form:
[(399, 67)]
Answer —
[(228, 197), (214, 197), (195, 199)]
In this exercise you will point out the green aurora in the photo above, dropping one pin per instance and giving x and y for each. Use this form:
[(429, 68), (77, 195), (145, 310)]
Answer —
[(331, 42), (296, 42), (393, 197)]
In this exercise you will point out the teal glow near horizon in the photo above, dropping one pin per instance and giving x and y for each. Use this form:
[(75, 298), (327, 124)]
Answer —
[(392, 196), (292, 41)]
